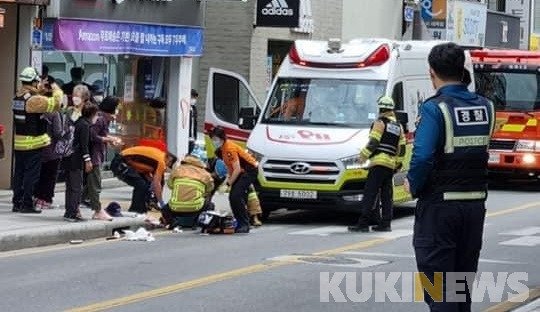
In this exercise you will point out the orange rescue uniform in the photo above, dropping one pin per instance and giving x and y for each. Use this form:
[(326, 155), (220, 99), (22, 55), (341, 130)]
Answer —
[(146, 160), (232, 152)]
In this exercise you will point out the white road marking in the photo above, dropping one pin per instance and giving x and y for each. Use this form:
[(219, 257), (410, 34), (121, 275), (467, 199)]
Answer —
[(395, 255), (322, 231), (533, 230), (524, 241), (329, 230)]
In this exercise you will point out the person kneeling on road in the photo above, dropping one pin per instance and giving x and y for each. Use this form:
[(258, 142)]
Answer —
[(143, 168), (191, 186), (242, 168)]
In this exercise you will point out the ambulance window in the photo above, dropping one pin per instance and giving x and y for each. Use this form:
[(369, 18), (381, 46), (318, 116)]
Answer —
[(231, 97), (397, 95)]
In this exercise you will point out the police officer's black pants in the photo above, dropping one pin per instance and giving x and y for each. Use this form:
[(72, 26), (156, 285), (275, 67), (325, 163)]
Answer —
[(25, 177), (448, 238), (379, 181), (131, 177), (238, 198)]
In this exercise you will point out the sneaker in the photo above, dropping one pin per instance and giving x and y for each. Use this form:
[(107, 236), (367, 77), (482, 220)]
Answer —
[(39, 204), (359, 228), (74, 219), (46, 205), (381, 228), (242, 230), (29, 210), (102, 215)]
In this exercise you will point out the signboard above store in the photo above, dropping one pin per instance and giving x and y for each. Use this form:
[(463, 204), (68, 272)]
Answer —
[(278, 13), (33, 2), (170, 12), (126, 38)]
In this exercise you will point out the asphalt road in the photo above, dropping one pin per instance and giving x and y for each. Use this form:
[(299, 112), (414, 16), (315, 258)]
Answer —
[(277, 267)]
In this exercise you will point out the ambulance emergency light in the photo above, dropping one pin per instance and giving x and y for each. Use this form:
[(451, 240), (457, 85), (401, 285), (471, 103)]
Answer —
[(378, 57)]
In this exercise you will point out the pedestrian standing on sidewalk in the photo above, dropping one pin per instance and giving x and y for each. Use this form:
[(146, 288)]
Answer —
[(242, 168), (80, 159), (193, 120), (99, 138), (448, 175), (30, 137), (385, 151), (50, 163)]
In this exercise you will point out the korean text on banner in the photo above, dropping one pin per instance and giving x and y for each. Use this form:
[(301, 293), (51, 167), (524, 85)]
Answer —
[(466, 22), (126, 38)]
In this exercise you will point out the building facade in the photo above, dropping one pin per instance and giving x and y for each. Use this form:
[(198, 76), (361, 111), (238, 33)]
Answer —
[(380, 19), (234, 43), (16, 36), (136, 57)]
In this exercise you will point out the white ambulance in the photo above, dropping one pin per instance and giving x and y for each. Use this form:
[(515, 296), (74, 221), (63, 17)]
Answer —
[(317, 116)]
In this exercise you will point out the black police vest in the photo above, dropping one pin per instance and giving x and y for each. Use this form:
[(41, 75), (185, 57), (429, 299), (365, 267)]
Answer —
[(390, 138), (461, 163), (26, 123)]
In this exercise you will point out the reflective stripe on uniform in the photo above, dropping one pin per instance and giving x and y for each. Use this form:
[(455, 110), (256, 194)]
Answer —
[(177, 204), (252, 195), (448, 125), (452, 142), (51, 104), (464, 195), (28, 143), (472, 140), (493, 118)]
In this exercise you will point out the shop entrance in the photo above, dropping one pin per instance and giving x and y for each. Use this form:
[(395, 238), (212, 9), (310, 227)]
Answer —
[(277, 51), (138, 81)]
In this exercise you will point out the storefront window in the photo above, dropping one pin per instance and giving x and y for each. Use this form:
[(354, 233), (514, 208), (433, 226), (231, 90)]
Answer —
[(138, 81)]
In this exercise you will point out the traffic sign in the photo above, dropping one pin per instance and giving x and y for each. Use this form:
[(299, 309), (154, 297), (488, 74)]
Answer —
[(408, 14)]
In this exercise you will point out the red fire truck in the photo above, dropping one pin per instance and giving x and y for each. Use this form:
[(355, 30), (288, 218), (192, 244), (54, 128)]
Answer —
[(510, 78)]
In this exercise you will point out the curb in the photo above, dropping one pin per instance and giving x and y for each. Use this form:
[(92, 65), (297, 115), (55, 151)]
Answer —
[(36, 237)]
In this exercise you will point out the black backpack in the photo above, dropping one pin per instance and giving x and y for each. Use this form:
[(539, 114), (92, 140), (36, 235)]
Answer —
[(64, 146)]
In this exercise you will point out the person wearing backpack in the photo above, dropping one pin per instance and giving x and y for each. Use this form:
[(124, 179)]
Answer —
[(50, 163)]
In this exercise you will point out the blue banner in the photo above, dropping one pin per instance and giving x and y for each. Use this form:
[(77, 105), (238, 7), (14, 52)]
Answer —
[(48, 28), (126, 38)]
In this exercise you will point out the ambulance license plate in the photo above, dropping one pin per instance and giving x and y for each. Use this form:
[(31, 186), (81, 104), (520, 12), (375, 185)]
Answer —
[(494, 158), (298, 194)]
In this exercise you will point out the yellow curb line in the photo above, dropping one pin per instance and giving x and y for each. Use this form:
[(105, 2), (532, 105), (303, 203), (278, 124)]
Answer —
[(522, 299), (211, 279)]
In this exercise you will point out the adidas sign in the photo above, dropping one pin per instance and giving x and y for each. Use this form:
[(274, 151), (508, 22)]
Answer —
[(277, 7)]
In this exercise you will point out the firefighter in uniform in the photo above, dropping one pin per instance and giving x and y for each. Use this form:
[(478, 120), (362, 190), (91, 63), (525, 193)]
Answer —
[(242, 168), (30, 136), (448, 175), (385, 151), (191, 186)]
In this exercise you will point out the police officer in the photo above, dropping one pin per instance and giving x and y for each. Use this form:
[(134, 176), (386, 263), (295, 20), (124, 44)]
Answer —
[(30, 136), (385, 151), (448, 174)]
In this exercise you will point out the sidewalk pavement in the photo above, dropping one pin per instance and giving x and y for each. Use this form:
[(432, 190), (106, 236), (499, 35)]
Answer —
[(19, 231)]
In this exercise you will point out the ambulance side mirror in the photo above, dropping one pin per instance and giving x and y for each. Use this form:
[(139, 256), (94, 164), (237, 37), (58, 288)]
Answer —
[(247, 118), (403, 118)]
